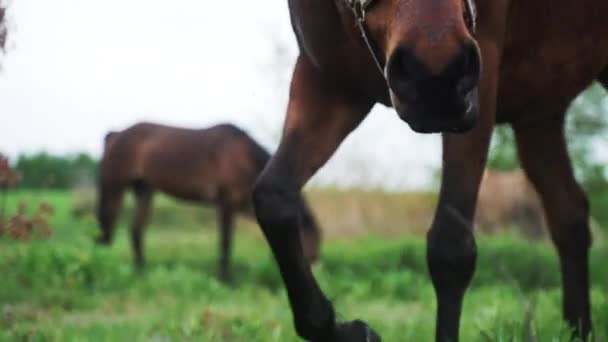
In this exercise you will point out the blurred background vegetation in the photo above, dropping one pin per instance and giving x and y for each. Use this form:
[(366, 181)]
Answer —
[(43, 170), (587, 135), (586, 131)]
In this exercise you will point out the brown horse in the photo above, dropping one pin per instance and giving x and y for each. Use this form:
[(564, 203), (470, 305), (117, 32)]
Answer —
[(215, 166), (449, 66)]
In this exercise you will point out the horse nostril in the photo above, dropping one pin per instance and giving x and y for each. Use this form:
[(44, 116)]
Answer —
[(469, 66), (408, 75), (403, 71)]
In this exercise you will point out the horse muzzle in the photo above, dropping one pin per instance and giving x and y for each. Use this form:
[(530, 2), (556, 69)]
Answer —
[(439, 118), (433, 101)]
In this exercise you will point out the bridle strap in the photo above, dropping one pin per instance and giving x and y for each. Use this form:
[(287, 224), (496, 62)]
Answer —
[(359, 8), (470, 15)]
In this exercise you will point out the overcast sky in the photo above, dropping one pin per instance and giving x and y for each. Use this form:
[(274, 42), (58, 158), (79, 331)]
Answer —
[(78, 68)]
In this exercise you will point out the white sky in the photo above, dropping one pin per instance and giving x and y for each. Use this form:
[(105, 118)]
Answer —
[(78, 68)]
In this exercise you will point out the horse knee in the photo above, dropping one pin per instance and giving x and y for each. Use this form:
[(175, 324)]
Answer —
[(275, 207), (451, 258)]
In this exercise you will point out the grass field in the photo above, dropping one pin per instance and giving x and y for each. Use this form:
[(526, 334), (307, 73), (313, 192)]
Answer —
[(66, 289)]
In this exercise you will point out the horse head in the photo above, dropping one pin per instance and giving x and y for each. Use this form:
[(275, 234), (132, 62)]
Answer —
[(429, 58)]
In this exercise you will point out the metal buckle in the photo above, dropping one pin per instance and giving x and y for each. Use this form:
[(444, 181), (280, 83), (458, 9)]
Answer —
[(359, 7), (471, 14)]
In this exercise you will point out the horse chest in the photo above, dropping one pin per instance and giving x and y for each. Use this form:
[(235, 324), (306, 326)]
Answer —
[(542, 70)]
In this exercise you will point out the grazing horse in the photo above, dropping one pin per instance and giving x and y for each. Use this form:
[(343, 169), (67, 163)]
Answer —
[(455, 67), (214, 166)]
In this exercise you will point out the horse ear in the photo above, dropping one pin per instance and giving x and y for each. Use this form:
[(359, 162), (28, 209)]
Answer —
[(110, 135)]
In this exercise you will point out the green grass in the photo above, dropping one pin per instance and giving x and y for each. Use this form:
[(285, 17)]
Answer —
[(67, 289)]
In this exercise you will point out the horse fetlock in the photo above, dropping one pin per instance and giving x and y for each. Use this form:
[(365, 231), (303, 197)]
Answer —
[(580, 325), (352, 331), (139, 261), (104, 240), (316, 325), (225, 276), (355, 331)]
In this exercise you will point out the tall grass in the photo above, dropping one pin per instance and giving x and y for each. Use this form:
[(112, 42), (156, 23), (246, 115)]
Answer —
[(67, 289)]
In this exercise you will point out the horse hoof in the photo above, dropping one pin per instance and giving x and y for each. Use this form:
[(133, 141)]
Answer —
[(355, 331), (139, 267), (225, 278), (101, 241)]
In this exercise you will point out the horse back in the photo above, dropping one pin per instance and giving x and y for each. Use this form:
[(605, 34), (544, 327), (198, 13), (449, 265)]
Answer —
[(209, 165)]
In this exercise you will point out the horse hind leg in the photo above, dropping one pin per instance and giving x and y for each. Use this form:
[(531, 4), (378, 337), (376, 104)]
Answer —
[(143, 198), (543, 153), (226, 226)]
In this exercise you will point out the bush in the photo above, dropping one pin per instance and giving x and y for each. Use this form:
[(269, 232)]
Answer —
[(45, 171)]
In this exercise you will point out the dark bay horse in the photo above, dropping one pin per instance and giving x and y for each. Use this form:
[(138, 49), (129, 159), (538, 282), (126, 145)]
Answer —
[(214, 166), (455, 67)]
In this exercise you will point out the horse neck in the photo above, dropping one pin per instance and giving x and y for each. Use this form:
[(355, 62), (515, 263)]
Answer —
[(320, 25)]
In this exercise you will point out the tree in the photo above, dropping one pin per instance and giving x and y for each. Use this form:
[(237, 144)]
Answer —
[(43, 170)]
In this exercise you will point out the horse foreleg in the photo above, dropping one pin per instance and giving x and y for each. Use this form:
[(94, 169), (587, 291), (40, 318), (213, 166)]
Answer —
[(319, 117), (109, 202), (451, 249), (143, 199), (226, 223), (544, 155)]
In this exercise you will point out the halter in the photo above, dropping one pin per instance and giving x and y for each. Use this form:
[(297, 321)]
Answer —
[(360, 7)]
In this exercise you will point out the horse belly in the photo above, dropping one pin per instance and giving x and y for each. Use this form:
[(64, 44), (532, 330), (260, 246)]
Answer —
[(189, 191), (181, 178)]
